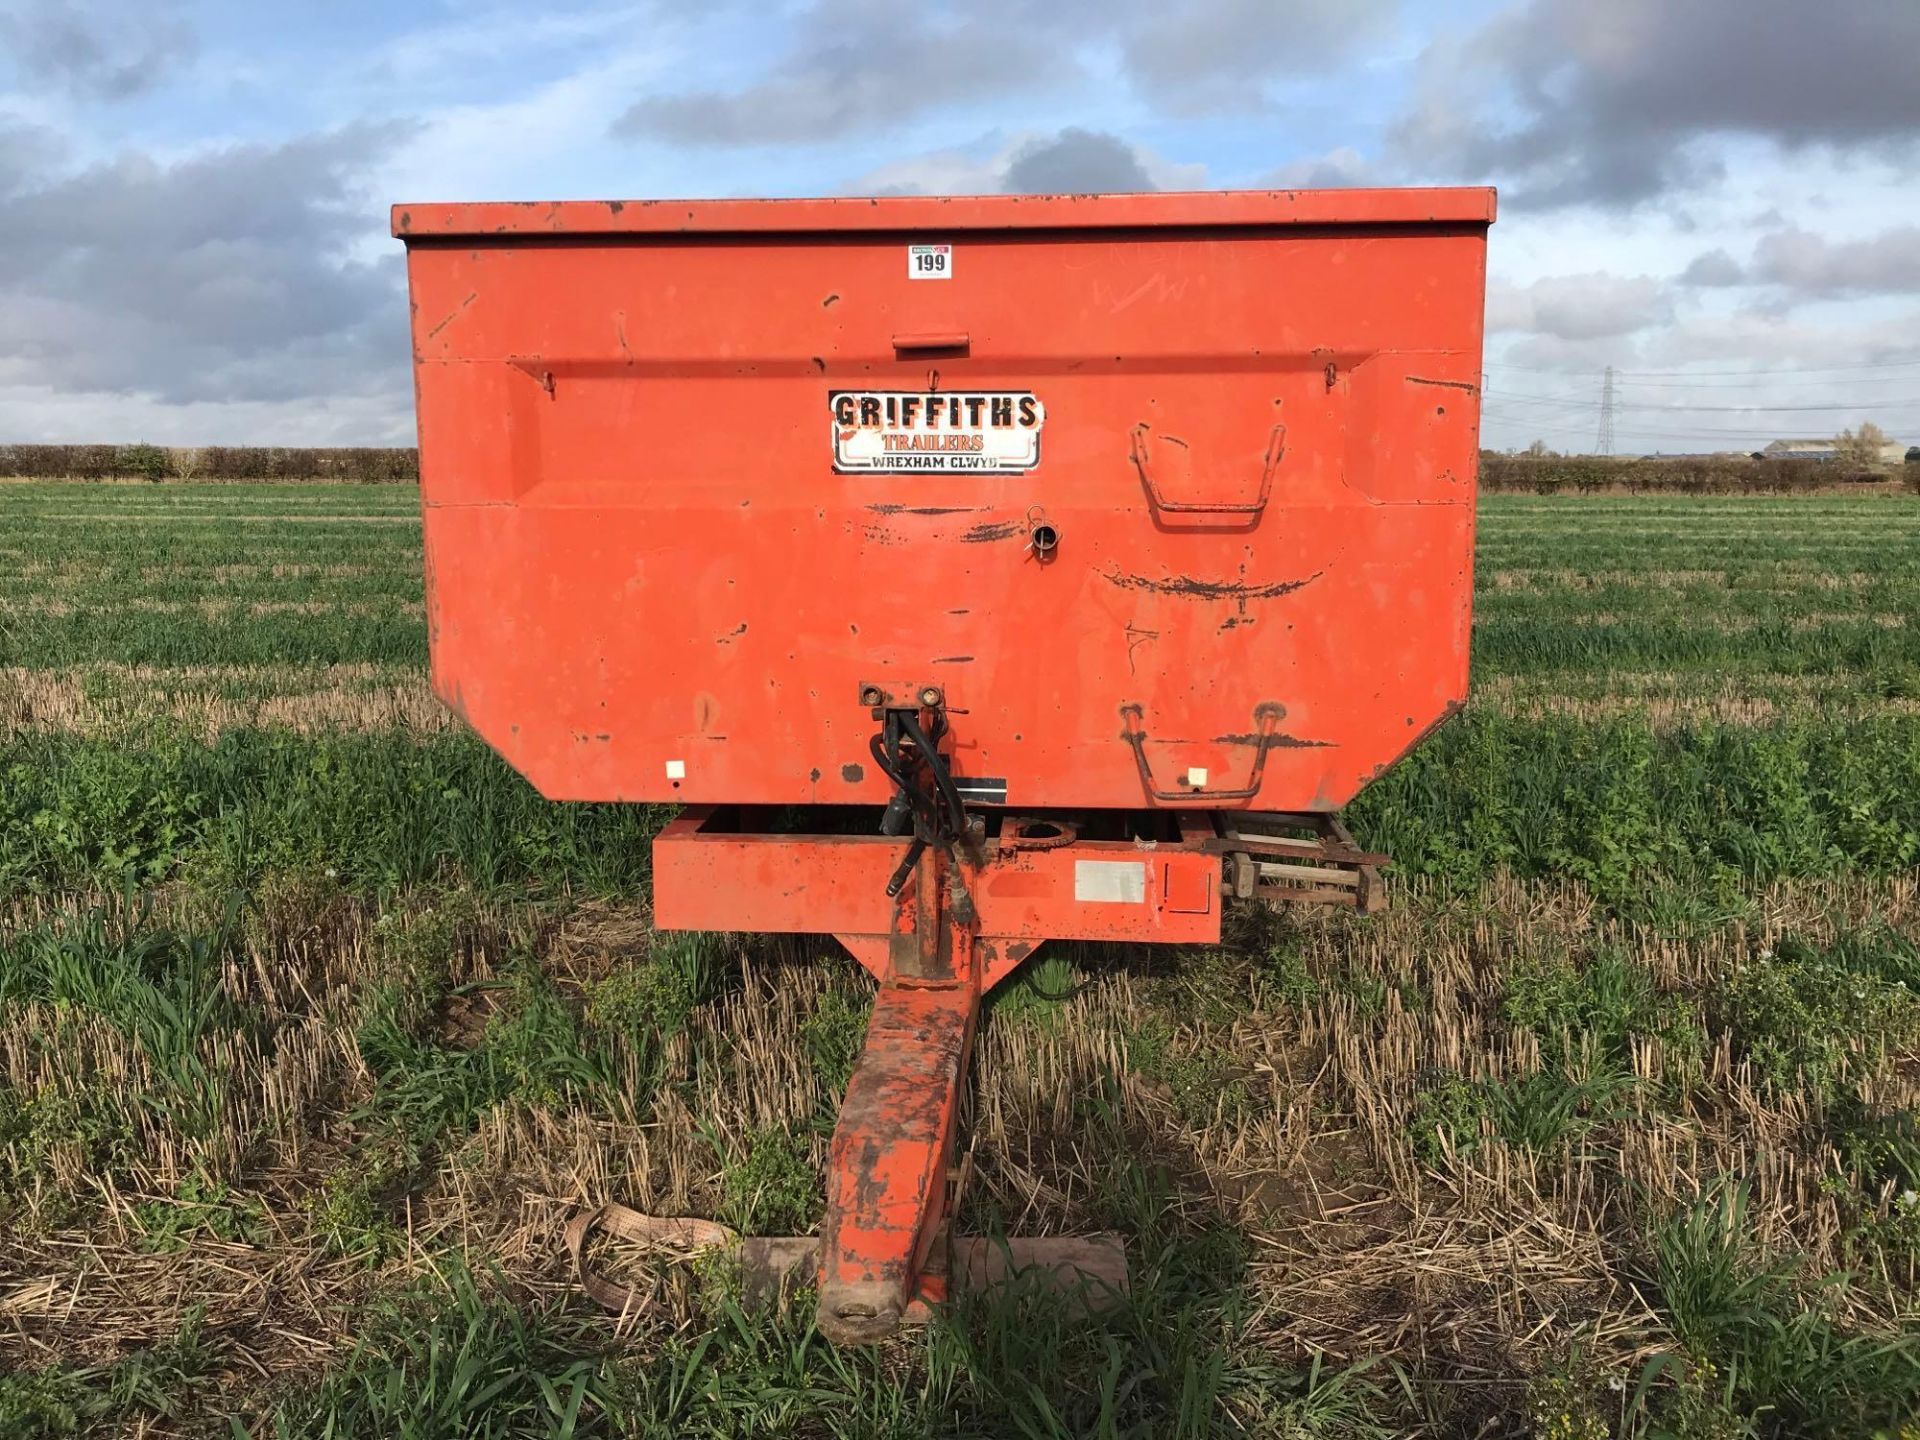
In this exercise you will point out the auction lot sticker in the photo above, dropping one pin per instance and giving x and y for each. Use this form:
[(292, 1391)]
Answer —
[(929, 262), (991, 432)]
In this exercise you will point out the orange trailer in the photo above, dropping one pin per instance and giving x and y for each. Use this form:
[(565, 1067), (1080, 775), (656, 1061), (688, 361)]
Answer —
[(975, 571)]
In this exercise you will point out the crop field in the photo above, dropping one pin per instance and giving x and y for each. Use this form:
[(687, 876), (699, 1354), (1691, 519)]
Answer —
[(317, 1025)]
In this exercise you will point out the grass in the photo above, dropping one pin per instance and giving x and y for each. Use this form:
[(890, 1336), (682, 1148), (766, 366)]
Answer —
[(150, 1389), (1773, 1330), (1809, 1017), (317, 1023), (379, 812)]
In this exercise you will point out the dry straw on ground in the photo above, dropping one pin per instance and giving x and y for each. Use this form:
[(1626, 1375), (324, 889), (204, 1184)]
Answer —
[(1358, 1248)]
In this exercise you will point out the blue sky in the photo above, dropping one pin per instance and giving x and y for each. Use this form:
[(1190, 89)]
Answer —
[(193, 197)]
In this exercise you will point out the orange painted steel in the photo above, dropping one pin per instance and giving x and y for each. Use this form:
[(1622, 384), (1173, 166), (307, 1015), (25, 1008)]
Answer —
[(710, 876), (648, 582), (887, 1181), (1113, 514)]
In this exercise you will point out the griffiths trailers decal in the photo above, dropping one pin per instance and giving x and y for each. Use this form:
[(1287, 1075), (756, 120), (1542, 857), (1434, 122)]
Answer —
[(992, 432)]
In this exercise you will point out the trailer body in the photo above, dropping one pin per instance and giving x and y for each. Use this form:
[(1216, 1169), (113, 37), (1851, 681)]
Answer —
[(694, 474), (974, 571)]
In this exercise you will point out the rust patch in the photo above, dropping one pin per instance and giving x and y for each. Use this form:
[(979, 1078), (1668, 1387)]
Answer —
[(870, 1189), (830, 302), (952, 660), (1467, 386), (1273, 739), (853, 774), (732, 635), (990, 531), (1189, 587), (893, 509)]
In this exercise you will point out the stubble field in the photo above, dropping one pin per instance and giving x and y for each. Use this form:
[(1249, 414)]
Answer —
[(316, 1025)]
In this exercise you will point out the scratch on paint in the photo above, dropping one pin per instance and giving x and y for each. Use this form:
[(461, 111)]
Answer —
[(455, 314), (1137, 637)]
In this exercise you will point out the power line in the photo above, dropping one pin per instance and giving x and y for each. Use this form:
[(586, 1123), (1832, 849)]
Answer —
[(1762, 374), (1655, 411), (1574, 426), (1709, 374), (1606, 403), (1541, 402), (1755, 382), (1498, 394)]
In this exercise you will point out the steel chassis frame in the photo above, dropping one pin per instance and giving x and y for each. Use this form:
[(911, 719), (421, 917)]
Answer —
[(884, 1250)]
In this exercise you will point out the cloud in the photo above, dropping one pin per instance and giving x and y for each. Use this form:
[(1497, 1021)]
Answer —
[(1574, 102), (1339, 169), (1579, 308), (224, 276), (25, 151), (98, 49), (1712, 269), (1883, 264), (1072, 161), (1219, 55), (1766, 340), (861, 67), (1076, 160), (1810, 266)]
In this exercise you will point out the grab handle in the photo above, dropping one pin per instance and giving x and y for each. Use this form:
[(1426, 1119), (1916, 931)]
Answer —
[(1266, 718), (931, 340), (1143, 459)]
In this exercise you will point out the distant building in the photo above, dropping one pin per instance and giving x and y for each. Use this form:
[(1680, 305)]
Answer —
[(1800, 450), (1891, 453)]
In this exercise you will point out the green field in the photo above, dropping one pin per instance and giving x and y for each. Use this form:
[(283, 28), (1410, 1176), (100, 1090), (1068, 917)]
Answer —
[(316, 1025)]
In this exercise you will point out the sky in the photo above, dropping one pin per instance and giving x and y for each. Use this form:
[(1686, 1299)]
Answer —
[(1720, 199)]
